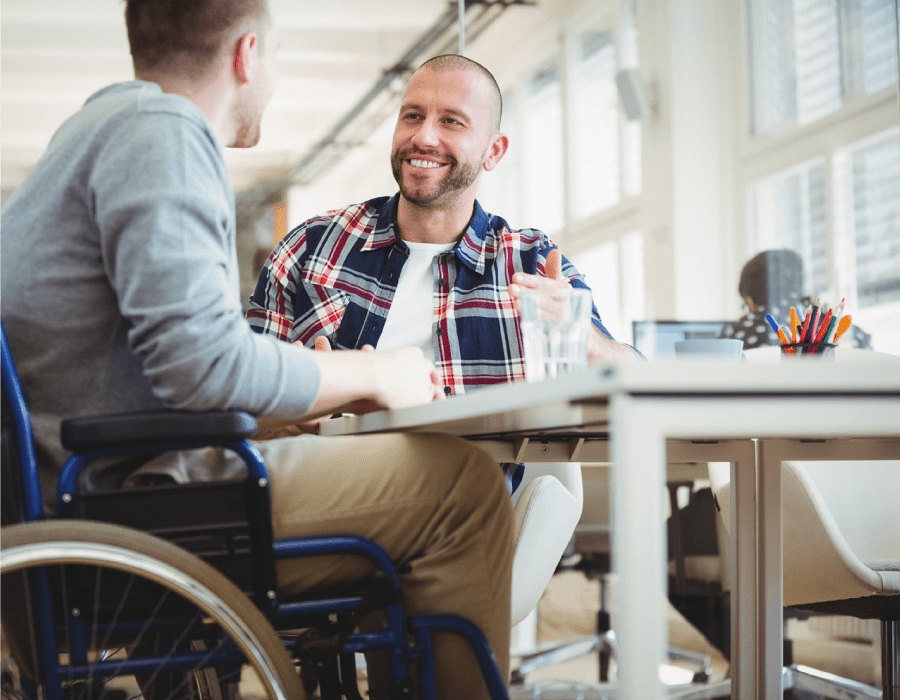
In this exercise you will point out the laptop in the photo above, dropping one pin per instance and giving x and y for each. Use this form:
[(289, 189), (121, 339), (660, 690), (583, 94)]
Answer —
[(656, 339)]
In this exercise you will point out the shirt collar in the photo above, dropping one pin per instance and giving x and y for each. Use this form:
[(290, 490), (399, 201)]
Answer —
[(476, 246), (384, 233)]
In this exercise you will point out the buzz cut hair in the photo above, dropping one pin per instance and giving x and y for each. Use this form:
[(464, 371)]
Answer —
[(187, 35), (455, 62)]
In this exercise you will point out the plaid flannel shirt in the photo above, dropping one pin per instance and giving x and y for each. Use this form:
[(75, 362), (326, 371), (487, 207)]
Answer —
[(336, 275)]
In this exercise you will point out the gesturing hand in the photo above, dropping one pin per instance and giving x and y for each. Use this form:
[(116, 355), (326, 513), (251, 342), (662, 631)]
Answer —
[(600, 348), (554, 279)]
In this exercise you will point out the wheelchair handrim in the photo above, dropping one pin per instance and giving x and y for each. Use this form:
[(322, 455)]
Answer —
[(21, 556)]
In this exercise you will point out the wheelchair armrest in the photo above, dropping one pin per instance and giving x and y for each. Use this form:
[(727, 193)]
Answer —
[(162, 427)]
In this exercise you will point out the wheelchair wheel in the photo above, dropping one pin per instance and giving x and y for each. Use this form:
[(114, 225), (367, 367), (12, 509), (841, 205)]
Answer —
[(91, 609)]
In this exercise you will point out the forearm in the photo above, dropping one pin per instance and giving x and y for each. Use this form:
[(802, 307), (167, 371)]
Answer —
[(603, 349), (363, 380)]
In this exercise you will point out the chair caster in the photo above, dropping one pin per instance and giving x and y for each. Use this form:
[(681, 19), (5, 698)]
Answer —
[(402, 689), (701, 677)]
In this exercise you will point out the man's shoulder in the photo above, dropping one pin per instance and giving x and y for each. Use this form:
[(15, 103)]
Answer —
[(359, 220), (494, 225), (138, 115), (505, 236), (141, 97)]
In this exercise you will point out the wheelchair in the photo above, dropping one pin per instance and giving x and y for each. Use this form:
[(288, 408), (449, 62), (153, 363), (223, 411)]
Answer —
[(169, 591)]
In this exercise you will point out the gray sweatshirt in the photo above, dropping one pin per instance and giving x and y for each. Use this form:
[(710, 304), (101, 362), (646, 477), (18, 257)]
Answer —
[(120, 280)]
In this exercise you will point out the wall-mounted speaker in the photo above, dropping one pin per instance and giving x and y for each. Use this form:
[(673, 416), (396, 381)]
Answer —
[(633, 94)]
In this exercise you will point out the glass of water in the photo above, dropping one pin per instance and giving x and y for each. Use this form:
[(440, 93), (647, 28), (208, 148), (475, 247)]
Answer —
[(556, 324)]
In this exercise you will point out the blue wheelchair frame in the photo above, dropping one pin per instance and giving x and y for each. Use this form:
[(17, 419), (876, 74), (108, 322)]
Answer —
[(284, 615)]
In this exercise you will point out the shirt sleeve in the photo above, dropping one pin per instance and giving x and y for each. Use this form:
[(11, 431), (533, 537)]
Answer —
[(166, 234), (271, 308)]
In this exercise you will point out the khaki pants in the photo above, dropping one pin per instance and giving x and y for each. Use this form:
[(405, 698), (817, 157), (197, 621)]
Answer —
[(435, 503)]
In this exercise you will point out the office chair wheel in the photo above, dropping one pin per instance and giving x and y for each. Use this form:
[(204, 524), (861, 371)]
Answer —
[(91, 607)]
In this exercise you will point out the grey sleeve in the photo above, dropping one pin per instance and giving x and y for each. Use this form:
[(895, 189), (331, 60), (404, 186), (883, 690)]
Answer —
[(167, 239)]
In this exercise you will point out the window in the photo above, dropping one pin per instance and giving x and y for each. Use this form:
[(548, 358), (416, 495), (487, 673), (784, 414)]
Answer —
[(574, 156), (809, 57), (789, 211), (838, 205), (872, 179), (596, 163), (543, 185), (614, 272), (606, 158)]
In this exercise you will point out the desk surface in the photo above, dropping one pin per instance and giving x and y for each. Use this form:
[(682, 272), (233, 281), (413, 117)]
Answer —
[(578, 405)]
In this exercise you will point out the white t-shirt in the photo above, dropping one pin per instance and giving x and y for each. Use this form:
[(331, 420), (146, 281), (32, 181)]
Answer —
[(410, 319)]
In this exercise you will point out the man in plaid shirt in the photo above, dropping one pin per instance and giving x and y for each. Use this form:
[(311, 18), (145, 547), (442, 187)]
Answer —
[(428, 266)]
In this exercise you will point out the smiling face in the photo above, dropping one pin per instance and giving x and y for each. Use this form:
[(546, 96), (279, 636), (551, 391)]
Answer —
[(444, 137)]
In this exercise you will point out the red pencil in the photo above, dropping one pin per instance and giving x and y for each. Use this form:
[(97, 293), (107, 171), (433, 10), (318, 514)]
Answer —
[(824, 327), (805, 325)]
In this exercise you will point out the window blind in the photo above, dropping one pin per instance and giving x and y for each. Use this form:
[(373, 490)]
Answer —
[(808, 56), (790, 211), (875, 212)]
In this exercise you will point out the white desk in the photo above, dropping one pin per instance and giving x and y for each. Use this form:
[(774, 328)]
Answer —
[(632, 414)]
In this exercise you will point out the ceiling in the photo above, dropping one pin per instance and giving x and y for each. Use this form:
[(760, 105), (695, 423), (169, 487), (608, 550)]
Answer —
[(55, 54)]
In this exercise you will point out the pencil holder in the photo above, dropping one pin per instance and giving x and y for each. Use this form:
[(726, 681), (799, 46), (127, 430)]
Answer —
[(811, 351)]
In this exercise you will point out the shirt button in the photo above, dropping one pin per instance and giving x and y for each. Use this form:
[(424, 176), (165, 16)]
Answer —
[(442, 282), (447, 390), (440, 332)]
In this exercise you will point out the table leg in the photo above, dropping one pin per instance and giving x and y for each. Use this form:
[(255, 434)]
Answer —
[(770, 621), (744, 572), (638, 475)]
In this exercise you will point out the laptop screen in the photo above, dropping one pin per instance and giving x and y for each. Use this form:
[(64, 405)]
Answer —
[(656, 339)]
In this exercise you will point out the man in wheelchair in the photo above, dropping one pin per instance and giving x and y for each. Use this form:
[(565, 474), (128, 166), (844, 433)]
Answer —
[(120, 282)]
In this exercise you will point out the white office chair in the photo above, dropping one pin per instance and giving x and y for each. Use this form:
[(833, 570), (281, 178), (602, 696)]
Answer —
[(546, 509), (841, 555), (590, 554)]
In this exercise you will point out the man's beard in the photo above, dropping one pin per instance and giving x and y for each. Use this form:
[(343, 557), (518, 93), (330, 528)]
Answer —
[(461, 176)]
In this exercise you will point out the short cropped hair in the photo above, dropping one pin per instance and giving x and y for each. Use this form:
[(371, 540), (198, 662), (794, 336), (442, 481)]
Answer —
[(772, 278), (186, 34), (452, 61)]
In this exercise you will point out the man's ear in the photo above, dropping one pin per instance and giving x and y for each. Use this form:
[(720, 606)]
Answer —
[(496, 149), (245, 57)]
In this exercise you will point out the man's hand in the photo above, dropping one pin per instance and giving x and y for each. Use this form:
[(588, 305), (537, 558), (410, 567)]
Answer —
[(360, 381), (600, 348), (554, 279), (406, 378), (393, 392)]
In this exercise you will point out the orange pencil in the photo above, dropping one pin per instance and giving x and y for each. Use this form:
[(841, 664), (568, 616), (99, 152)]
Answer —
[(795, 322), (842, 326)]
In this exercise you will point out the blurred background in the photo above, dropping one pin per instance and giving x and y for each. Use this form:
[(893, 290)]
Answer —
[(661, 143)]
